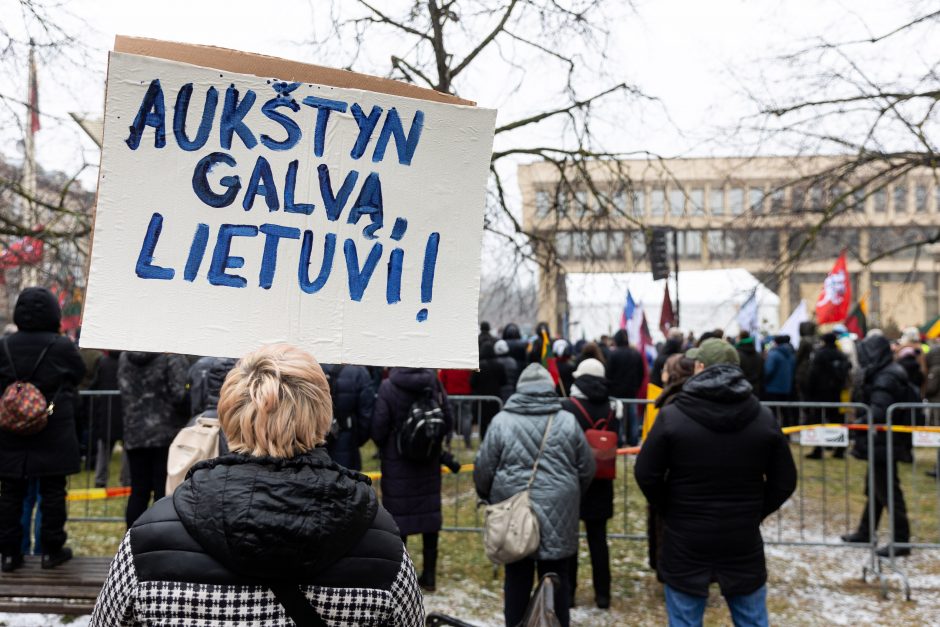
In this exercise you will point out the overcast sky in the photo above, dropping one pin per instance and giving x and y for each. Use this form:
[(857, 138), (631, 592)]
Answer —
[(693, 56)]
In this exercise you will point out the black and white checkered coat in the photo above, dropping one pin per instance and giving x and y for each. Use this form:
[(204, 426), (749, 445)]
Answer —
[(206, 556)]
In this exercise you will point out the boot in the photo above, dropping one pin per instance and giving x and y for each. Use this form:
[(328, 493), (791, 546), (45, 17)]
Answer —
[(839, 453), (816, 453), (51, 560), (856, 537), (898, 552), (427, 581), (11, 562)]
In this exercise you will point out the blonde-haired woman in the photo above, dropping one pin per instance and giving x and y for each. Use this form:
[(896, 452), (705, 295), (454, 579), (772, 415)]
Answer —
[(273, 533)]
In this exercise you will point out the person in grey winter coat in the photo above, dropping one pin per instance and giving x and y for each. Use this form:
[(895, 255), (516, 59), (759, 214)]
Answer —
[(153, 385), (510, 366), (566, 467)]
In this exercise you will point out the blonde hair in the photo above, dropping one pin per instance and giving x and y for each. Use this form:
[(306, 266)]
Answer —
[(275, 402)]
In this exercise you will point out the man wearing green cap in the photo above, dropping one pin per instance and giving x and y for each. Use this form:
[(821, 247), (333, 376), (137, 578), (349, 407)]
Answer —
[(716, 464)]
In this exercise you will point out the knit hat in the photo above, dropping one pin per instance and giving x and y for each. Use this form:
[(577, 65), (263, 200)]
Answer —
[(501, 347), (560, 348), (534, 373), (714, 351), (592, 367)]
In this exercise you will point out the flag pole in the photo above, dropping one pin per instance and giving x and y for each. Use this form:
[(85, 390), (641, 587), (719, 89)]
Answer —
[(675, 262), (29, 274)]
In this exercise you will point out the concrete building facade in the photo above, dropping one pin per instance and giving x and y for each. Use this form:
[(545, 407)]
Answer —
[(784, 219)]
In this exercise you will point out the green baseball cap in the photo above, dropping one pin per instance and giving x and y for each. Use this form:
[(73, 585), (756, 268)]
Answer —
[(714, 351)]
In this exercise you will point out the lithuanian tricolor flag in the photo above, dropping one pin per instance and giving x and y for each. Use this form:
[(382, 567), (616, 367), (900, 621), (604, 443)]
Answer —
[(857, 320), (932, 329)]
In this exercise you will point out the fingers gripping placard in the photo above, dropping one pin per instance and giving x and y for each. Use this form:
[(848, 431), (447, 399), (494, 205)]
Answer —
[(235, 210)]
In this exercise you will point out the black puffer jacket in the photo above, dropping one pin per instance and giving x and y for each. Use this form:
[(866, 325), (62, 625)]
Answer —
[(239, 524), (54, 450), (590, 392), (624, 372), (354, 403), (884, 383), (752, 363), (828, 374), (715, 464), (153, 387)]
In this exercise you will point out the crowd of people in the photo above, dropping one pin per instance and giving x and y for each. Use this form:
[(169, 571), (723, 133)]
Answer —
[(284, 506)]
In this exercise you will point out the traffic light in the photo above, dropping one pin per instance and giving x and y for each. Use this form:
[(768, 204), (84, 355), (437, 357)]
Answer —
[(659, 254)]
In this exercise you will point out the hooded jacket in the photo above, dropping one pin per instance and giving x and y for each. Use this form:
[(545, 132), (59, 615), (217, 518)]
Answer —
[(54, 450), (591, 393), (240, 524), (752, 363), (354, 403), (410, 490), (153, 387), (932, 389), (504, 462), (715, 464), (624, 368), (779, 369)]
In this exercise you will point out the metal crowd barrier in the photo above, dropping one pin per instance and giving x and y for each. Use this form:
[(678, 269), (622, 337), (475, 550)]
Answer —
[(96, 420)]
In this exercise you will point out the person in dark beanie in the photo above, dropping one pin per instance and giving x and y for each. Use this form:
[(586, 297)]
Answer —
[(828, 374), (352, 418), (712, 504), (485, 336), (779, 369), (37, 353), (625, 374), (752, 362)]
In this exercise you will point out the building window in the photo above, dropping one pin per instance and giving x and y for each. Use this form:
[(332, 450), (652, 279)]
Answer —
[(858, 199), (619, 200), (778, 200), (657, 202), (563, 244), (638, 245), (579, 246), (736, 200), (920, 199), (716, 201), (720, 245), (797, 198), (697, 201), (676, 202), (582, 203), (615, 250), (900, 198), (880, 200), (599, 245), (689, 243), (817, 198), (639, 203), (543, 203), (756, 199)]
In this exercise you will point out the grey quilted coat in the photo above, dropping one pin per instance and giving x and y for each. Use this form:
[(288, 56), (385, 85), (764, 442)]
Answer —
[(504, 463)]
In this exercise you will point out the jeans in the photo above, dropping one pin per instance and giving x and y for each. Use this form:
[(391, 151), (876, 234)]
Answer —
[(600, 559), (687, 610), (519, 584), (30, 529), (148, 477), (13, 493)]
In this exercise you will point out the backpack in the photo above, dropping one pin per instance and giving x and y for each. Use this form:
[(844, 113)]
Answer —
[(421, 434), (603, 443), (191, 445), (23, 408)]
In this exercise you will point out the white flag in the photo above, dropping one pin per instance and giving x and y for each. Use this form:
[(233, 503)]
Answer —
[(792, 326)]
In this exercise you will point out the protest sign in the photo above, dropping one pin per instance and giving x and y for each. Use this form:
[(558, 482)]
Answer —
[(245, 200)]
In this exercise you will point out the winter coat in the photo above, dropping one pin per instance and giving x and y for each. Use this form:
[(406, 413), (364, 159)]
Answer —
[(828, 374), (491, 377), (715, 464), (238, 525), (504, 464), (778, 370), (517, 347), (624, 372), (597, 502), (354, 403), (511, 369), (802, 361), (932, 390), (752, 363), (54, 450), (411, 491), (106, 410), (456, 382), (153, 387), (671, 347), (884, 383), (566, 370)]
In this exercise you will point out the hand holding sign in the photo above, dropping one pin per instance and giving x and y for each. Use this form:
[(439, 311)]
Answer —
[(237, 210)]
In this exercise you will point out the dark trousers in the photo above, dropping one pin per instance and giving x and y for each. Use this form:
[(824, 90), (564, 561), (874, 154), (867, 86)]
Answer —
[(148, 478), (786, 416), (51, 506), (519, 584), (428, 554), (902, 529), (600, 560)]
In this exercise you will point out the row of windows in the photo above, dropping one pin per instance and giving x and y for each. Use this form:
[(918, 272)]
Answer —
[(734, 244), (720, 201)]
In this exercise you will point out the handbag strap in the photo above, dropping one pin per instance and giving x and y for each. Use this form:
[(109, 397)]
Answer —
[(593, 423), (297, 606), (42, 355), (535, 466)]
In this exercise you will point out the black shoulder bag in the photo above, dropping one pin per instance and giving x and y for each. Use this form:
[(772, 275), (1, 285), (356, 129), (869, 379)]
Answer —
[(295, 603)]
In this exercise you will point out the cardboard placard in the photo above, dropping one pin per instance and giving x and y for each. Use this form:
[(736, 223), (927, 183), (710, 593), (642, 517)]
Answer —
[(239, 208)]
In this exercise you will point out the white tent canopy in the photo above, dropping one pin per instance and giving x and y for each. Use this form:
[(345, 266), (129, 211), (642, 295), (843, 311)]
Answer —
[(709, 299)]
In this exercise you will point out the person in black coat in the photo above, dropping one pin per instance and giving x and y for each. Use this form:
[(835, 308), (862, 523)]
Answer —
[(106, 413), (713, 502), (828, 373), (517, 345), (752, 362), (51, 454), (672, 346), (411, 491), (590, 403), (624, 368), (884, 383), (511, 368), (488, 381), (353, 405)]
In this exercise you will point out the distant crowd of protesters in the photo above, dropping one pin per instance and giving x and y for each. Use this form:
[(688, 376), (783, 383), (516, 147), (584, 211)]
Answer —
[(282, 524)]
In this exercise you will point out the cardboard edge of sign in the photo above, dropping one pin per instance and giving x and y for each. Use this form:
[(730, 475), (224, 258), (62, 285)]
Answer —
[(273, 67)]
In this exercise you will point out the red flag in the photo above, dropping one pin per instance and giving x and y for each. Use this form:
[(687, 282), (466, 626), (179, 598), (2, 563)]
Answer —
[(33, 102), (667, 317), (833, 302), (22, 252)]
